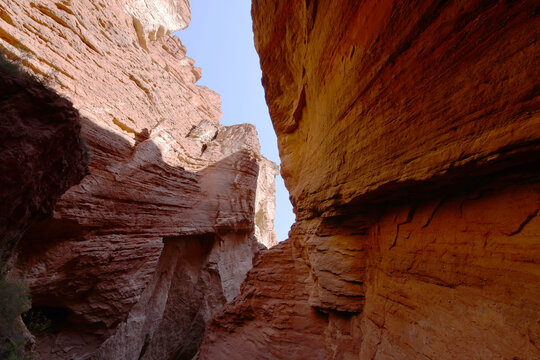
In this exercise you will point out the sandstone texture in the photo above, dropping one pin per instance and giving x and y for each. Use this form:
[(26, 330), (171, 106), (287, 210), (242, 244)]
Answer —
[(409, 135), (41, 154), (161, 233)]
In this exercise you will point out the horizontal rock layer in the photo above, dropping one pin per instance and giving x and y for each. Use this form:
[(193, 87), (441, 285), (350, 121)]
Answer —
[(41, 154), (396, 92), (166, 181), (409, 138), (438, 278)]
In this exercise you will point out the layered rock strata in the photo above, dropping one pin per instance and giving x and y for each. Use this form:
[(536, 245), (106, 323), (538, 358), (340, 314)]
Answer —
[(41, 154), (409, 135), (160, 234)]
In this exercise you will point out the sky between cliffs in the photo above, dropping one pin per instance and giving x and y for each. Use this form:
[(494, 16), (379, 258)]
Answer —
[(220, 39)]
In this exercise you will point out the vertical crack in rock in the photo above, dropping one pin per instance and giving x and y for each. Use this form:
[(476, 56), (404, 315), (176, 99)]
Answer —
[(408, 220), (527, 220), (168, 320), (140, 33)]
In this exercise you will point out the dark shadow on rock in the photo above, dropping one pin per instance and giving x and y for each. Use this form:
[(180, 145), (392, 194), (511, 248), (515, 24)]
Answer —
[(41, 153), (41, 156)]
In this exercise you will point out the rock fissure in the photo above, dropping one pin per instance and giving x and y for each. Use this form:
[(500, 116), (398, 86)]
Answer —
[(525, 222)]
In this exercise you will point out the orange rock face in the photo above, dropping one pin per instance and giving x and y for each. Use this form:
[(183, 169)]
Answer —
[(409, 138), (402, 85), (160, 234)]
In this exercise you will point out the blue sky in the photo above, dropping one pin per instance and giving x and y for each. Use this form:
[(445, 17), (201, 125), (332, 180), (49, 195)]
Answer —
[(220, 39)]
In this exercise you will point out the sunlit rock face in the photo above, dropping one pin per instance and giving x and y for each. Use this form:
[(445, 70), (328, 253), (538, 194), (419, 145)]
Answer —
[(408, 134), (160, 234), (158, 17)]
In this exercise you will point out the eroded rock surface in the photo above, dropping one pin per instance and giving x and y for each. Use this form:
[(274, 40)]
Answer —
[(409, 138), (41, 154), (166, 181)]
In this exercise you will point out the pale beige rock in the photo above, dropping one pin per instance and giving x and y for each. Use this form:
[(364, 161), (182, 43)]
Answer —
[(159, 17), (265, 203)]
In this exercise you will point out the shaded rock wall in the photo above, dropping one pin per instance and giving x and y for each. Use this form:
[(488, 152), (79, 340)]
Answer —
[(409, 137), (162, 168), (41, 154)]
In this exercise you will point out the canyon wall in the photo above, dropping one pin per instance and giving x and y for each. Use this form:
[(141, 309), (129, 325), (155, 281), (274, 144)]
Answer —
[(409, 134), (41, 154), (161, 232)]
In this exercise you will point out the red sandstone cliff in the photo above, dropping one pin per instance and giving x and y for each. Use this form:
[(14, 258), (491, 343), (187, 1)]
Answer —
[(409, 137), (160, 234)]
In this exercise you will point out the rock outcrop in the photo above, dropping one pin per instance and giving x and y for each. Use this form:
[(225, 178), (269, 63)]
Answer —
[(161, 233), (41, 154), (409, 134)]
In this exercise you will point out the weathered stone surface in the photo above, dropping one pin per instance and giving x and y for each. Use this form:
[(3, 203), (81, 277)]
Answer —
[(265, 203), (41, 154), (409, 138), (162, 167), (198, 275), (395, 91), (461, 273), (94, 53), (273, 306)]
